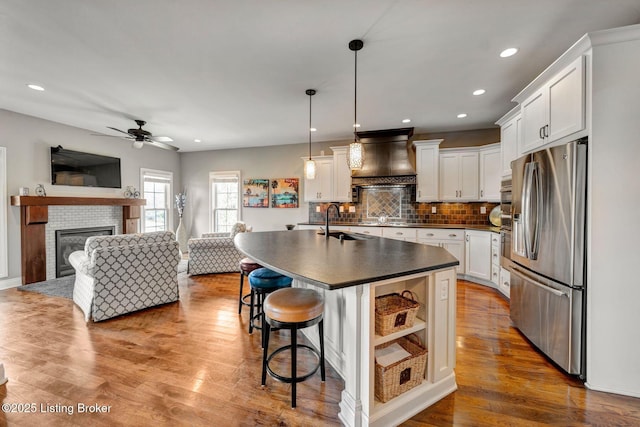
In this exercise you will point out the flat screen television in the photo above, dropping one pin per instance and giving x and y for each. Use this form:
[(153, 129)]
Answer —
[(70, 167)]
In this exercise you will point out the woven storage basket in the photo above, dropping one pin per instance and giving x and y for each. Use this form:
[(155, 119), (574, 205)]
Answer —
[(395, 379), (395, 312)]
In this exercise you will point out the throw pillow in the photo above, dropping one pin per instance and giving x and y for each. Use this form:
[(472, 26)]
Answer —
[(238, 227)]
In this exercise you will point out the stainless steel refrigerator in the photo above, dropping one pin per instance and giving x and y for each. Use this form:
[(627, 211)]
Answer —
[(548, 251)]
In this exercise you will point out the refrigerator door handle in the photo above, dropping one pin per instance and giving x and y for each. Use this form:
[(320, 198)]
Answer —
[(526, 208), (536, 186), (532, 281)]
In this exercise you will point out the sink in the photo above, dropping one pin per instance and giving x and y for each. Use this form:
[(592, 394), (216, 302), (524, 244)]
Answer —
[(347, 236)]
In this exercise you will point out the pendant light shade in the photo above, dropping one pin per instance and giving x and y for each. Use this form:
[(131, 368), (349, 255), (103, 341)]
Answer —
[(310, 165), (355, 156)]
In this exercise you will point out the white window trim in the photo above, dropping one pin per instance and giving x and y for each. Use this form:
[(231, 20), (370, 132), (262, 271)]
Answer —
[(4, 250), (212, 175), (166, 174)]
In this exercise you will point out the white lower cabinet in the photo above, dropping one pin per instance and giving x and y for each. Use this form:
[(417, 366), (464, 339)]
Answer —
[(495, 258), (398, 233), (505, 282), (478, 254), (450, 239), (371, 231)]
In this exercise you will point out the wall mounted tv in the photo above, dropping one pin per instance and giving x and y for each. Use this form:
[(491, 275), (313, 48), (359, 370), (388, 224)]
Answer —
[(84, 169)]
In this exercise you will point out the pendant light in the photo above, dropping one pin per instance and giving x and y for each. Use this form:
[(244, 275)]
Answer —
[(310, 165), (355, 156)]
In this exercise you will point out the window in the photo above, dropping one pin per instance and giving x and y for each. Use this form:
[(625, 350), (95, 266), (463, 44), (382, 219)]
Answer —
[(157, 189), (225, 196)]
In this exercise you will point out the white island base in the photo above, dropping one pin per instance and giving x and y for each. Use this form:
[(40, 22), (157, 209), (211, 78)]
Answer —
[(350, 341)]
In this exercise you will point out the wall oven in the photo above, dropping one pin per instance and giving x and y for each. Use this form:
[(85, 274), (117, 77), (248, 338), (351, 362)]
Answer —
[(505, 228)]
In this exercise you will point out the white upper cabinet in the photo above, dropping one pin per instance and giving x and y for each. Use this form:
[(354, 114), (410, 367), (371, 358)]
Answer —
[(458, 175), (427, 160), (490, 173), (556, 109), (510, 126), (341, 175), (320, 189)]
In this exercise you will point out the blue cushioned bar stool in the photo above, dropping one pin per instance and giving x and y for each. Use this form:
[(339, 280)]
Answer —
[(247, 265), (293, 309), (263, 281)]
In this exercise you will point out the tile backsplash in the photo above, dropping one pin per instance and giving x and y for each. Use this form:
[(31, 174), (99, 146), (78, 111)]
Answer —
[(398, 205)]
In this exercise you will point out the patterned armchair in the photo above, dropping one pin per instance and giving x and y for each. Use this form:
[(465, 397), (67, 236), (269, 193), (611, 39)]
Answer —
[(124, 273), (215, 252)]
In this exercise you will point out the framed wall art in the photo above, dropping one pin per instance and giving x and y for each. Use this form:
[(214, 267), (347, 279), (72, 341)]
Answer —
[(284, 192), (255, 193)]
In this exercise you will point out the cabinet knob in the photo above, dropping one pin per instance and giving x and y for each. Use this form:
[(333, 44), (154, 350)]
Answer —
[(430, 234), (366, 232), (399, 233), (481, 193)]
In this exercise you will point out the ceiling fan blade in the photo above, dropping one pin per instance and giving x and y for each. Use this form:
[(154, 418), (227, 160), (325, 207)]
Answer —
[(161, 145), (161, 139), (118, 130)]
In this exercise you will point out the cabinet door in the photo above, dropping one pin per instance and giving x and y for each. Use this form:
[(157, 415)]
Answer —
[(508, 143), (456, 249), (427, 172), (449, 177), (478, 254), (320, 189), (490, 173), (566, 101), (468, 176), (504, 284), (341, 176), (534, 118)]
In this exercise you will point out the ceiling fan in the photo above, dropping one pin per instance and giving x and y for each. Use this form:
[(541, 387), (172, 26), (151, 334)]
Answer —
[(141, 136)]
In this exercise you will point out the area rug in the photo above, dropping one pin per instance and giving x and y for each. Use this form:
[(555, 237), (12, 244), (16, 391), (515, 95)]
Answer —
[(63, 286)]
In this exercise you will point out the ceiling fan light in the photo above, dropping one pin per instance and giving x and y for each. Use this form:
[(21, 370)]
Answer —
[(310, 169), (138, 144)]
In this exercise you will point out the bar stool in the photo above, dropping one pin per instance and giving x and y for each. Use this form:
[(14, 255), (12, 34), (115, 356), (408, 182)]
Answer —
[(293, 309), (247, 265), (263, 281)]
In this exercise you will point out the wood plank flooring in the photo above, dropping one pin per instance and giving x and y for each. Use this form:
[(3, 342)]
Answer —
[(193, 363)]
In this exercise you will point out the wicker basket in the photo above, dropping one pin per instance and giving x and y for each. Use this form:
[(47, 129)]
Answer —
[(395, 312), (395, 379)]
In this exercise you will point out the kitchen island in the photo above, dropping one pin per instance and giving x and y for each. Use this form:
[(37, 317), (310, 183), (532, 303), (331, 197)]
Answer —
[(351, 272)]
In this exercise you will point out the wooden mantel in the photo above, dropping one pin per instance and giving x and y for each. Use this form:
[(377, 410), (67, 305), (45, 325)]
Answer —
[(34, 215)]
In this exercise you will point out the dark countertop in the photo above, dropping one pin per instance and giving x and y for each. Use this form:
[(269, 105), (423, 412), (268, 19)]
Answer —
[(331, 264), (487, 227)]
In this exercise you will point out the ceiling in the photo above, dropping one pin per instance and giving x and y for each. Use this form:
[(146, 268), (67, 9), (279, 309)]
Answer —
[(234, 73)]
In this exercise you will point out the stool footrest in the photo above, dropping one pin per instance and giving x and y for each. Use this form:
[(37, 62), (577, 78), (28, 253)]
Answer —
[(289, 380)]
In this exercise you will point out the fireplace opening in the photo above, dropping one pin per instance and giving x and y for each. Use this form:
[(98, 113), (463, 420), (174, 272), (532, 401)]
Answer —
[(71, 240)]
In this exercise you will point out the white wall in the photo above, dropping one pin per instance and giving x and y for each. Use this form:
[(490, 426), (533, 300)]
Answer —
[(28, 139), (282, 161), (613, 345)]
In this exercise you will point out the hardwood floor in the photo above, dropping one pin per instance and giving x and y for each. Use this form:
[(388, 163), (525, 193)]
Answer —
[(193, 363)]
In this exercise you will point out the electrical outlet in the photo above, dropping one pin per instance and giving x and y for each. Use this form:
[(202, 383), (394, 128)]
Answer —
[(341, 209), (444, 292), (433, 209), (317, 208), (483, 209), (352, 209)]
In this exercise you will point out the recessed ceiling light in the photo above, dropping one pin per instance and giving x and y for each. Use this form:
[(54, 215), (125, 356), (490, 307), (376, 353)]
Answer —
[(479, 92), (508, 52), (35, 87), (197, 140), (406, 121), (462, 115), (356, 125), (313, 129)]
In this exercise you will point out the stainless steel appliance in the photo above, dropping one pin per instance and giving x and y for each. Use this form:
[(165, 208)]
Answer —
[(548, 251)]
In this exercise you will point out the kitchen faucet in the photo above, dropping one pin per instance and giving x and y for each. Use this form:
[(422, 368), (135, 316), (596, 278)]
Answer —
[(326, 223)]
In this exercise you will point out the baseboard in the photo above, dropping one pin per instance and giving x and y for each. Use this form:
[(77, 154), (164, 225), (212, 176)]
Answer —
[(13, 282)]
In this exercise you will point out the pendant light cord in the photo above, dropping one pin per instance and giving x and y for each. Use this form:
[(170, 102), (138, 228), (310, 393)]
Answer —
[(309, 126), (355, 97)]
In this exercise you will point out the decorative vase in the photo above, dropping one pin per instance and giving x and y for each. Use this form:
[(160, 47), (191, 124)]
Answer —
[(181, 237)]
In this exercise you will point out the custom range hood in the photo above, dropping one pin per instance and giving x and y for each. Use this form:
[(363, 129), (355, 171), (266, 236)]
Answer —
[(387, 153)]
